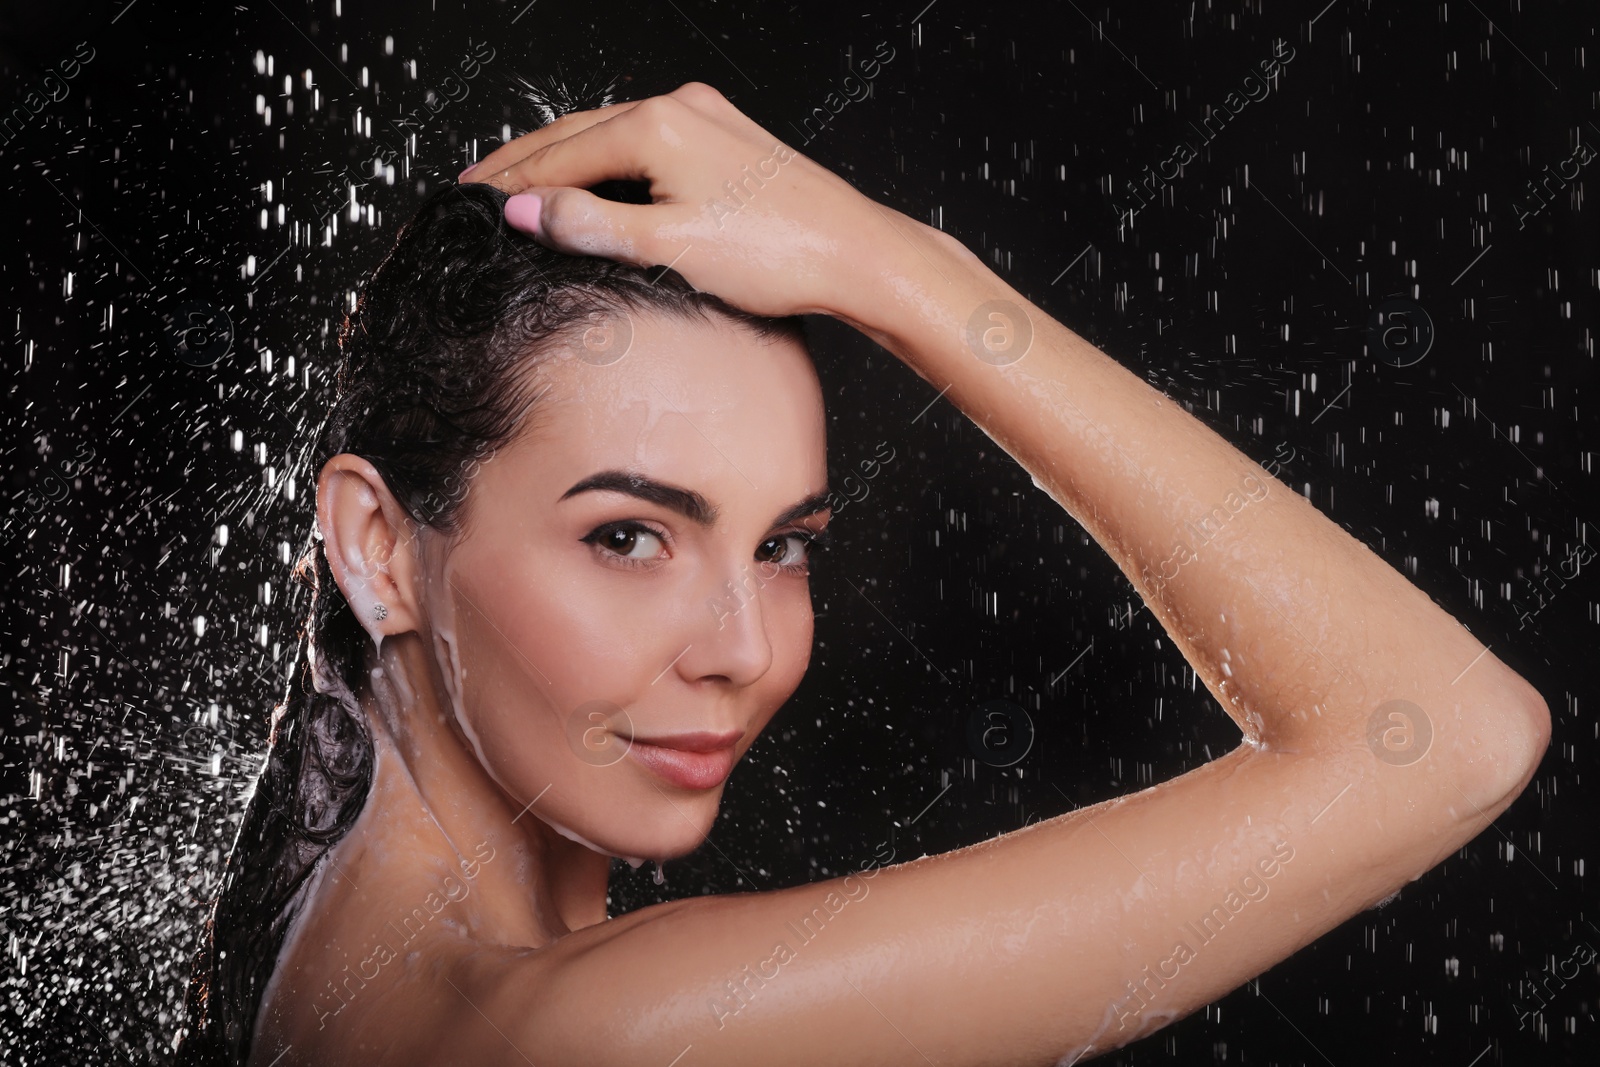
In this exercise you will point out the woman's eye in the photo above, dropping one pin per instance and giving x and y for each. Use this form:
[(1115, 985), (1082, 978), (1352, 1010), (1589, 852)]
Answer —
[(633, 544), (789, 550), (637, 544)]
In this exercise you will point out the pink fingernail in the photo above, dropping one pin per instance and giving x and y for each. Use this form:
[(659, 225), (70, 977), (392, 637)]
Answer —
[(522, 211), (463, 175)]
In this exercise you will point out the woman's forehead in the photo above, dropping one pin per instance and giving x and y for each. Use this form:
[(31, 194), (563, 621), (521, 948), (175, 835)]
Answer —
[(709, 406), (705, 373)]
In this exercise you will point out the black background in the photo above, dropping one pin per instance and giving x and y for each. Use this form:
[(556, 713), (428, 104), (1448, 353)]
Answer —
[(1386, 164)]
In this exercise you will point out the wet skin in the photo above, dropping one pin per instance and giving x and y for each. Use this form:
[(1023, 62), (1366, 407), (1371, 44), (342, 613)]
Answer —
[(1056, 942)]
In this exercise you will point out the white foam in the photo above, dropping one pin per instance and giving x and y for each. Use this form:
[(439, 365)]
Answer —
[(632, 861)]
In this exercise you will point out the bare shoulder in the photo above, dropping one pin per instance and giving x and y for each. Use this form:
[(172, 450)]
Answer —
[(412, 994), (364, 978)]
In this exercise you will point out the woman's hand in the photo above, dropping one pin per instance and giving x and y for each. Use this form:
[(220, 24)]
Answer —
[(735, 211)]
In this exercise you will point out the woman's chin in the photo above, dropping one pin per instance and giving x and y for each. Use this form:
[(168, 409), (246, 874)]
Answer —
[(673, 837)]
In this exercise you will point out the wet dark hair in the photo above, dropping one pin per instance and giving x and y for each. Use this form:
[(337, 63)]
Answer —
[(433, 376)]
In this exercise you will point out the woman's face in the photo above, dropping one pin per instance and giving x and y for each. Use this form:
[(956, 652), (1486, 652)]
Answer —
[(580, 616)]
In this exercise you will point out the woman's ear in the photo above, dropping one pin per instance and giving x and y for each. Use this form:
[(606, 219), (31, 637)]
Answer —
[(369, 541)]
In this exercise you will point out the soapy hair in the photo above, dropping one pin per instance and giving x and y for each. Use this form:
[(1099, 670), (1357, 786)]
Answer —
[(434, 375)]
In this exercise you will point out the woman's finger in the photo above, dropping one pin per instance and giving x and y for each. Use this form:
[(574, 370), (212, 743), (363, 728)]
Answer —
[(579, 223), (498, 168), (618, 148), (521, 147)]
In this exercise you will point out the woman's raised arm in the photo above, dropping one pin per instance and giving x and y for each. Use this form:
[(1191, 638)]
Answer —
[(1380, 735)]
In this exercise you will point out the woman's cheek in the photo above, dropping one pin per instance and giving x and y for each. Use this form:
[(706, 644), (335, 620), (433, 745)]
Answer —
[(502, 636), (792, 651)]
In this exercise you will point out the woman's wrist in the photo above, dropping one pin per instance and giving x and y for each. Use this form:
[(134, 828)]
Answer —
[(913, 288)]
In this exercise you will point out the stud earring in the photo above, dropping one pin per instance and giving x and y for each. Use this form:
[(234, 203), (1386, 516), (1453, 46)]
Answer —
[(380, 611)]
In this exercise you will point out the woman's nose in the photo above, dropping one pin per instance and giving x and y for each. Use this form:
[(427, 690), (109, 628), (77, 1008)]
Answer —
[(730, 634)]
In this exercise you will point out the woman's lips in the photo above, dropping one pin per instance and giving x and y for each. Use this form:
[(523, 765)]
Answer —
[(689, 761)]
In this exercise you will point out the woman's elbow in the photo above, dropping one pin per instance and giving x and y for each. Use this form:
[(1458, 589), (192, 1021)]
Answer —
[(1505, 749), (1535, 735)]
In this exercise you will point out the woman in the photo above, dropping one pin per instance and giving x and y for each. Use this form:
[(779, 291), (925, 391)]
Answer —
[(564, 522)]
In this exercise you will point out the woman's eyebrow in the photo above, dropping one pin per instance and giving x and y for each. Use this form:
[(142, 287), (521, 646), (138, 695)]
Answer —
[(814, 504), (685, 502)]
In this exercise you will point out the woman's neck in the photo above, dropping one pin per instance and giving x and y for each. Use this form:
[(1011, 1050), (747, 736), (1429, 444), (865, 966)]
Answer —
[(434, 811)]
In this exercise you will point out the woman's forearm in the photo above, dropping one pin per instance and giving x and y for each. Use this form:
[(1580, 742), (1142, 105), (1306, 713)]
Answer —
[(1299, 630)]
